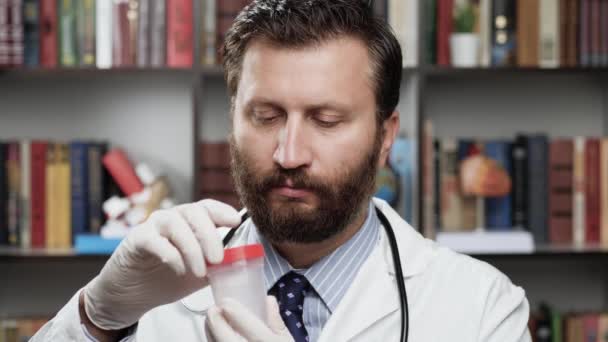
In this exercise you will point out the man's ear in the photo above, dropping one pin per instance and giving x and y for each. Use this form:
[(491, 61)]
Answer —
[(391, 128)]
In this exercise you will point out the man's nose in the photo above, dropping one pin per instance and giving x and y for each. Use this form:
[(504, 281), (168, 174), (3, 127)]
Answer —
[(293, 150)]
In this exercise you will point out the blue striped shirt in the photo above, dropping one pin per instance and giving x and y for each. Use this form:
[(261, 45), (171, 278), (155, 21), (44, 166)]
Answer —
[(329, 276)]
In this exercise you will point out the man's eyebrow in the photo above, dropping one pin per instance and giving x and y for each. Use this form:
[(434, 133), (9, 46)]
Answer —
[(326, 105)]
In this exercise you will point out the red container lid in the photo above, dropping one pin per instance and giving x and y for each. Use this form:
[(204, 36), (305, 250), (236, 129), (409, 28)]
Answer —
[(247, 252)]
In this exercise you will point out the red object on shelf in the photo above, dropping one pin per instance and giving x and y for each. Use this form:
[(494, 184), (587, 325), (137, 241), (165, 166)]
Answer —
[(180, 34), (121, 169)]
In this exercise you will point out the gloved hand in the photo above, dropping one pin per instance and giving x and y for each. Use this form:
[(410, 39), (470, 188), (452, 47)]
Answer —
[(160, 261), (231, 322)]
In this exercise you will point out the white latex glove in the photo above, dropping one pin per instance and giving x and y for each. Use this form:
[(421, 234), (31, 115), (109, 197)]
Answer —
[(160, 261), (232, 322)]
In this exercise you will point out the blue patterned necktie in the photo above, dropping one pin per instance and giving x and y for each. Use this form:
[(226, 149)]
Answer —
[(290, 291)]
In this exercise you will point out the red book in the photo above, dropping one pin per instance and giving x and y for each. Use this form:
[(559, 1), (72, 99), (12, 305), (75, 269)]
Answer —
[(561, 179), (179, 34), (592, 191), (123, 52), (48, 33), (444, 29), (38, 191), (122, 171)]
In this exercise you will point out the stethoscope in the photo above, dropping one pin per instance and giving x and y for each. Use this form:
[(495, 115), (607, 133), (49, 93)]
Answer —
[(396, 261)]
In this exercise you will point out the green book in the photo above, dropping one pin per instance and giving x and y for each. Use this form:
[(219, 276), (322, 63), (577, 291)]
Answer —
[(556, 326), (67, 33), (85, 28)]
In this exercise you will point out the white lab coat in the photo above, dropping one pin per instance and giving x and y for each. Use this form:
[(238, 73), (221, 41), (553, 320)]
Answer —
[(452, 297)]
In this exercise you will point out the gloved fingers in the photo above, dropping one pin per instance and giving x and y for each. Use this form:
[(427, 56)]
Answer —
[(222, 214), (173, 226), (244, 322), (275, 322), (160, 247), (208, 333), (218, 328), (205, 231)]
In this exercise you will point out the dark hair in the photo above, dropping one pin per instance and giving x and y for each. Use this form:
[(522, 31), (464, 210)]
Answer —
[(301, 23)]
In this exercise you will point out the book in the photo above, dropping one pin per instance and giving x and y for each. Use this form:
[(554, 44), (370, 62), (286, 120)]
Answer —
[(561, 164), (4, 184), (445, 10), (208, 36), (578, 199), (25, 168), (48, 33), (31, 33), (503, 33), (604, 192), (158, 34), (485, 34), (103, 33), (537, 187), (180, 50), (79, 187), (549, 34), (124, 16), (38, 175), (85, 32), (451, 197), (13, 165), (143, 34), (528, 33), (592, 191), (68, 51), (96, 187), (122, 171)]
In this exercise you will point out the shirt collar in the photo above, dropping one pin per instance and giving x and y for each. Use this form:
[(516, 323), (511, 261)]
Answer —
[(331, 275)]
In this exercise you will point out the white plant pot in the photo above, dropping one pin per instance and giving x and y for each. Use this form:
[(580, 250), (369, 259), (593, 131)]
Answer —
[(464, 48)]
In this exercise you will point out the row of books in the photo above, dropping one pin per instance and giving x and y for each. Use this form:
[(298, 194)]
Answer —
[(558, 191), (547, 325), (96, 33), (525, 33), (20, 330), (52, 191)]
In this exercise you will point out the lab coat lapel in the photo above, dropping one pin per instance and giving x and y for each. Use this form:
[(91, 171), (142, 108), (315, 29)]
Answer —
[(372, 296)]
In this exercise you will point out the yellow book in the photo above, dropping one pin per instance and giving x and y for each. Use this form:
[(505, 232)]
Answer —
[(50, 202), (63, 197), (602, 330)]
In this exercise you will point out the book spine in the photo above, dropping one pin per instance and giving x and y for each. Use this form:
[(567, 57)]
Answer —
[(485, 33), (14, 182), (50, 197), (31, 33), (209, 34), (143, 34), (604, 192), (527, 33), (503, 35), (95, 188), (573, 34), (584, 33), (519, 161), (451, 199), (79, 188), (5, 29), (120, 33), (180, 37), (158, 39), (4, 184), (592, 191), (103, 34), (85, 19), (16, 34), (39, 150), (67, 33), (25, 227), (564, 22), (48, 33), (561, 155), (548, 34), (578, 212), (63, 197), (444, 29), (133, 23), (436, 155), (537, 187), (595, 45), (122, 171)]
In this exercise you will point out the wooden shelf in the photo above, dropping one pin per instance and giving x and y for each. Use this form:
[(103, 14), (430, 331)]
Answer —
[(436, 71), (13, 254)]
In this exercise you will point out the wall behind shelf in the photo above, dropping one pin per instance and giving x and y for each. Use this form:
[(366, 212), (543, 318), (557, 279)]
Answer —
[(148, 114), (499, 106)]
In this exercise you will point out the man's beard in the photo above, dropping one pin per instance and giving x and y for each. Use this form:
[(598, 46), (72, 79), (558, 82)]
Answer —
[(340, 199)]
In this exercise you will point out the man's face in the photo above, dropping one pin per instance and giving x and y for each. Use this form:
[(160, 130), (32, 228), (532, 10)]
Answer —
[(305, 144)]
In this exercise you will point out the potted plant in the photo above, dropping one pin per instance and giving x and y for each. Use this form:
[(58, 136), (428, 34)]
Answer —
[(464, 42)]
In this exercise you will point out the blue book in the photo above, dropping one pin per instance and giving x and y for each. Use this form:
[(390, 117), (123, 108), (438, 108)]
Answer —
[(498, 209), (79, 174), (94, 244), (31, 33)]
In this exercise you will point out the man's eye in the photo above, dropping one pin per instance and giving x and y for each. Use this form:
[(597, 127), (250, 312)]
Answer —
[(326, 123), (265, 118)]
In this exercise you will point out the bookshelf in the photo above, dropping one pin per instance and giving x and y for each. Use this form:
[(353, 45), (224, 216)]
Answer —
[(481, 102)]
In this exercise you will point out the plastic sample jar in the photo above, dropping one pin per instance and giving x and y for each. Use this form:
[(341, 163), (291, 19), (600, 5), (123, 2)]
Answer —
[(240, 276)]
